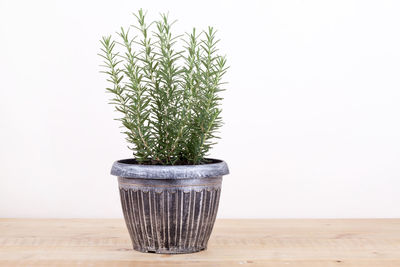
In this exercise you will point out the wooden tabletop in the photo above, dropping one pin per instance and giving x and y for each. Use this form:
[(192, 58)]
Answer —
[(271, 242)]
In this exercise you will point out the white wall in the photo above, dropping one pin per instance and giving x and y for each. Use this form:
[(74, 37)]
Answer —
[(312, 109)]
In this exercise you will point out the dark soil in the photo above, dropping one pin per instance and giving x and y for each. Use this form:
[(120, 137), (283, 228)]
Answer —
[(179, 162)]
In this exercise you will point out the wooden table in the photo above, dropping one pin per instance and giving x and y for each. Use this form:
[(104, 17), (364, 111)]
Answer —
[(272, 242)]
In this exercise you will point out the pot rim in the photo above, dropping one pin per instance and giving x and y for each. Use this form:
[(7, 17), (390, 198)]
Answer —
[(121, 168)]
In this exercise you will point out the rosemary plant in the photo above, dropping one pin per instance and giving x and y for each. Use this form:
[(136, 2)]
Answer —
[(168, 95)]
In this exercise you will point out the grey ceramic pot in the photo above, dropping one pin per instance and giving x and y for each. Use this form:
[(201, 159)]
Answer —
[(169, 209)]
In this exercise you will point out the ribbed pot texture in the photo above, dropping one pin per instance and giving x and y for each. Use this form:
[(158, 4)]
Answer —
[(169, 209)]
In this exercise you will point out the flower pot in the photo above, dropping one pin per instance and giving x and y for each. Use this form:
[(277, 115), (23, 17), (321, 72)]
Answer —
[(169, 209)]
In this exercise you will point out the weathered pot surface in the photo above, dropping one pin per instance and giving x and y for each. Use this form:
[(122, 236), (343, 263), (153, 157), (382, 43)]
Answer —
[(169, 209)]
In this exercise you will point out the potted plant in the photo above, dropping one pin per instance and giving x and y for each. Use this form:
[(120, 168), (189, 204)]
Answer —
[(170, 110)]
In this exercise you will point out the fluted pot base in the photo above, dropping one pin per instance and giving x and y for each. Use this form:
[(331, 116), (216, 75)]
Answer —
[(170, 216)]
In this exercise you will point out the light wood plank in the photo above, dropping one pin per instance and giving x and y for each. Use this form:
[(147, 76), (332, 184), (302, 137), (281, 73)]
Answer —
[(272, 242)]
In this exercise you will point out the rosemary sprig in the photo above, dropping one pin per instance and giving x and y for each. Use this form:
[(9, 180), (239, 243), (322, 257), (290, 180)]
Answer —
[(169, 99)]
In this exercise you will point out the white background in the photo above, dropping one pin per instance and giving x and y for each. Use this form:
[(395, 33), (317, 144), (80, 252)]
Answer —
[(311, 111)]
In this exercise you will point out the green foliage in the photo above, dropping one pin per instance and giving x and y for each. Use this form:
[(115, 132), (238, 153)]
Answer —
[(168, 96)]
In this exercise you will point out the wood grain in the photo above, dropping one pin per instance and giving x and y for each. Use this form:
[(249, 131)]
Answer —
[(272, 242)]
